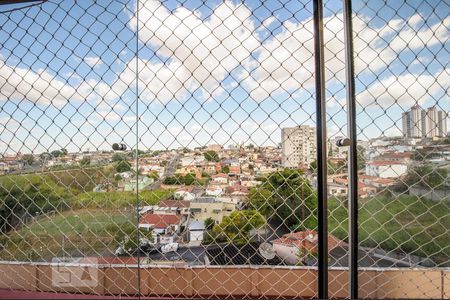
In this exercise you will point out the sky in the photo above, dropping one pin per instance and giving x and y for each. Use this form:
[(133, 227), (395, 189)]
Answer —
[(210, 72)]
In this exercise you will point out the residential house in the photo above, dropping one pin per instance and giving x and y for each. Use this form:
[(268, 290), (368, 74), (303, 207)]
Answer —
[(203, 208), (184, 193), (164, 226), (214, 191), (386, 169), (220, 178), (196, 231), (237, 190), (294, 248), (182, 206)]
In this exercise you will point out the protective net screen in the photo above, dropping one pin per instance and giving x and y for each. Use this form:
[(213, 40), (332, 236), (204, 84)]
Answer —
[(168, 148)]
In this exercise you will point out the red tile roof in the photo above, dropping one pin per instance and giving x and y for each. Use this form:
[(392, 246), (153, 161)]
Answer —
[(160, 220), (307, 239)]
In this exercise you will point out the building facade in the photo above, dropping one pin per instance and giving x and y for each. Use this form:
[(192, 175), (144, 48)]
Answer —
[(298, 146), (436, 123), (421, 123)]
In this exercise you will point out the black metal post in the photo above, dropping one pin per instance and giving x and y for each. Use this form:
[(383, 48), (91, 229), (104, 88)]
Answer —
[(6, 2), (322, 191), (353, 154)]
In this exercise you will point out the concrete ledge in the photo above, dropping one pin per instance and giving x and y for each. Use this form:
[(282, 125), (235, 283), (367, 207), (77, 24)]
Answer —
[(227, 281)]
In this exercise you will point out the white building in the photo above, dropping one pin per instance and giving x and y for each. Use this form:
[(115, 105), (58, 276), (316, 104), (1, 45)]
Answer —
[(386, 169), (196, 231), (418, 123), (436, 123), (298, 146), (413, 122)]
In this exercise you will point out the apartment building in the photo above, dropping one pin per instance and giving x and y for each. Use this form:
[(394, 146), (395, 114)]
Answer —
[(421, 123), (298, 146)]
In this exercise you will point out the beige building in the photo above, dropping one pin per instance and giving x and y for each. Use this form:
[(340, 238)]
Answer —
[(203, 208), (298, 146)]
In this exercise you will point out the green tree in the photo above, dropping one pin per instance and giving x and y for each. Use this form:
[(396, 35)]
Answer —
[(28, 159), (117, 157), (64, 151), (236, 226), (44, 156), (209, 223), (285, 196), (153, 175), (171, 180), (426, 176), (56, 153), (123, 166), (226, 169), (211, 155), (361, 161), (86, 161), (190, 179)]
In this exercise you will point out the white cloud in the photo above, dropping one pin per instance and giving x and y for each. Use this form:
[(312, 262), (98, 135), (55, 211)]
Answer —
[(93, 62), (405, 90), (286, 62), (202, 52), (39, 87), (8, 122)]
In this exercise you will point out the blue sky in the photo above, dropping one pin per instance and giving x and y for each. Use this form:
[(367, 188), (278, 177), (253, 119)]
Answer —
[(218, 72)]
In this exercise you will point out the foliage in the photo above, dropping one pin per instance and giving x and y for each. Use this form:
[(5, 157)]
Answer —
[(188, 179), (226, 169), (407, 224), (285, 196), (81, 180), (28, 159), (211, 155), (85, 161), (154, 175), (426, 176), (123, 166), (115, 200), (237, 226), (23, 196), (174, 180), (361, 161), (209, 223), (118, 157), (128, 237), (56, 153), (85, 232), (333, 167)]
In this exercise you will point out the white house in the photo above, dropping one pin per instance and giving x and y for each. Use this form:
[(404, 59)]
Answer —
[(196, 231), (183, 195), (386, 169), (214, 191), (220, 178)]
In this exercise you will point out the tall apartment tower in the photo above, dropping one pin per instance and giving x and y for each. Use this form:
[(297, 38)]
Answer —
[(413, 122), (436, 123), (298, 146)]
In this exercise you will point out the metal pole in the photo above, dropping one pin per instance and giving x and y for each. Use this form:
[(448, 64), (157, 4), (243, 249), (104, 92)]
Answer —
[(322, 192), (353, 154), (6, 2)]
